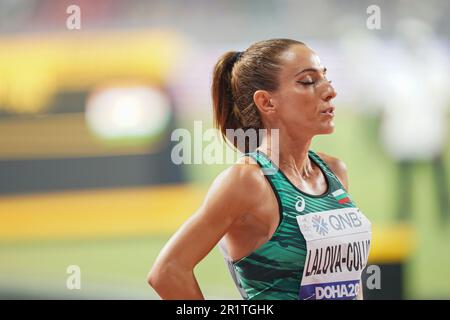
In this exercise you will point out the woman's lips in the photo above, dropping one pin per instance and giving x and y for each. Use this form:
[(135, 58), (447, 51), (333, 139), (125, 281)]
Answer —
[(328, 112)]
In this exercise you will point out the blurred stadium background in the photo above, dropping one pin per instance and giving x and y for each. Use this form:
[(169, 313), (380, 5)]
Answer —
[(86, 176)]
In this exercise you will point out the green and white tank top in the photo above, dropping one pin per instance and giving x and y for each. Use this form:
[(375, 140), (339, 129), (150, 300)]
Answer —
[(318, 250)]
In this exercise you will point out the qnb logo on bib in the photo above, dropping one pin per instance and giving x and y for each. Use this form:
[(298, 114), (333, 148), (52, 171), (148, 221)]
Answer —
[(320, 225), (338, 245)]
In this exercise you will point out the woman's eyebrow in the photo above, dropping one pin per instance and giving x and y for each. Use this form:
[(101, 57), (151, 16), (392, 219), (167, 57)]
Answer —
[(311, 69)]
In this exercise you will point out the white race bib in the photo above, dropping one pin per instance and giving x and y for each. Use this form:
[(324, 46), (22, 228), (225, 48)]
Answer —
[(338, 245)]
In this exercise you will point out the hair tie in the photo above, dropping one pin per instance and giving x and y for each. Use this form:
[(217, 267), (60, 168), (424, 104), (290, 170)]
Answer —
[(237, 55)]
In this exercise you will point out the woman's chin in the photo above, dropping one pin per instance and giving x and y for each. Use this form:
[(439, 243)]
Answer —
[(329, 129)]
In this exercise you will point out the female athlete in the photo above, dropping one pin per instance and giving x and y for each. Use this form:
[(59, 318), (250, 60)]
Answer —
[(294, 233)]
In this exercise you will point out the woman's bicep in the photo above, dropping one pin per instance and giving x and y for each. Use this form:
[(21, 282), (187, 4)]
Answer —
[(195, 238), (222, 205)]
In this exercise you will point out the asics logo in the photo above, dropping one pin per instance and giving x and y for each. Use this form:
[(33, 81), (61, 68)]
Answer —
[(300, 204)]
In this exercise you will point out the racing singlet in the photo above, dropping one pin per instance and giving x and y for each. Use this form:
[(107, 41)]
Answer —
[(318, 250)]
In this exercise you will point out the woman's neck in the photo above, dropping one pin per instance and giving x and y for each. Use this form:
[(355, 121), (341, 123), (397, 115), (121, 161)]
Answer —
[(288, 153)]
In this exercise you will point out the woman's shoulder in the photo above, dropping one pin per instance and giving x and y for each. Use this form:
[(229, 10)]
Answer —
[(239, 188), (244, 173), (336, 165)]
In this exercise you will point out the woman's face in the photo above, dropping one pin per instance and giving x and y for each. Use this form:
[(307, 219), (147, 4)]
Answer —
[(303, 99)]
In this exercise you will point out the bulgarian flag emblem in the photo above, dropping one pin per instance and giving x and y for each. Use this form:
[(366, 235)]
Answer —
[(341, 196)]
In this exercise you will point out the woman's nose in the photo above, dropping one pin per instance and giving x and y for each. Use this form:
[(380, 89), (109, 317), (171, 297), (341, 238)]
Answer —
[(329, 93)]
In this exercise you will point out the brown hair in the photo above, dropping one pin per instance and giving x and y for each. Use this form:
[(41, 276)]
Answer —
[(237, 75)]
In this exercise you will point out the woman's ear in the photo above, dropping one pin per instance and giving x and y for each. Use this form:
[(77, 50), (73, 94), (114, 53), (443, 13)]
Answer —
[(263, 101)]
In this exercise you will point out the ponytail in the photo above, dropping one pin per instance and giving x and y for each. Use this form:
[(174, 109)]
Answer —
[(224, 108)]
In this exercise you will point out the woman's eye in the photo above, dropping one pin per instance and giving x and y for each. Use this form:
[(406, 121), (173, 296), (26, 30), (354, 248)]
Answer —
[(308, 80), (311, 82), (306, 83)]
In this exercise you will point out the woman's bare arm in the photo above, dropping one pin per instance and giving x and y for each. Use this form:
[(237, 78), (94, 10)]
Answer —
[(172, 275)]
